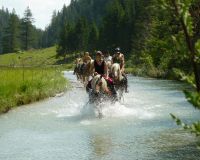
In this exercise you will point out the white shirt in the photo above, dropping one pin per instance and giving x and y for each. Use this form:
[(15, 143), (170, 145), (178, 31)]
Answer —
[(109, 58)]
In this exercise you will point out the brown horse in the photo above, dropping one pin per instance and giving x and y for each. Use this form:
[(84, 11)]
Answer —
[(87, 71)]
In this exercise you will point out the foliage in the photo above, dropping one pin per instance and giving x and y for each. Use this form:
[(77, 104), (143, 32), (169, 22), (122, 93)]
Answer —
[(182, 11), (193, 128)]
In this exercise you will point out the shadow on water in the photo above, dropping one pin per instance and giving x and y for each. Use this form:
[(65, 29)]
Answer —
[(101, 145), (174, 144)]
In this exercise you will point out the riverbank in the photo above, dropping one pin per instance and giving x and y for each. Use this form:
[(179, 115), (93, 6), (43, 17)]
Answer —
[(143, 71), (19, 86)]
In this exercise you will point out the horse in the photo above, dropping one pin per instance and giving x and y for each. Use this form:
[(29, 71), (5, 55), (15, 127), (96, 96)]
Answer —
[(77, 70), (119, 79), (99, 92), (87, 71), (83, 71)]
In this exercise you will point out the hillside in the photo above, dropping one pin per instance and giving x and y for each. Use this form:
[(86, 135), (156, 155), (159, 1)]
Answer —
[(34, 58)]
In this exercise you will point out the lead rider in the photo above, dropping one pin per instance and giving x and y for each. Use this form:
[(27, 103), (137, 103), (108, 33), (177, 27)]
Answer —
[(100, 67)]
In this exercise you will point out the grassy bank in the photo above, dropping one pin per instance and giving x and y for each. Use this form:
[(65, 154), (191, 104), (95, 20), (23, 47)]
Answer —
[(20, 86), (153, 72), (36, 58)]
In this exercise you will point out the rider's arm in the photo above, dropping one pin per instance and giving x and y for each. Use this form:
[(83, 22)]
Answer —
[(122, 63), (93, 69), (105, 70), (112, 59), (89, 58)]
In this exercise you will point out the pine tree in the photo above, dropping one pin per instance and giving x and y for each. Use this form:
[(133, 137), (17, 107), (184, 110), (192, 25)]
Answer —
[(82, 33), (11, 34), (27, 29), (4, 18), (112, 25), (93, 37)]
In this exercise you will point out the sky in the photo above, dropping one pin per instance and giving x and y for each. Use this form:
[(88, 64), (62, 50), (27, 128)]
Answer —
[(42, 10)]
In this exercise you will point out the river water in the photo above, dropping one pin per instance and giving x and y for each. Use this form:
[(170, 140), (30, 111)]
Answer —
[(67, 128)]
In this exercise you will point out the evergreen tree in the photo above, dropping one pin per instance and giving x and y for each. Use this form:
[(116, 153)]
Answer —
[(27, 29), (11, 34), (93, 37), (112, 24), (82, 33), (4, 18)]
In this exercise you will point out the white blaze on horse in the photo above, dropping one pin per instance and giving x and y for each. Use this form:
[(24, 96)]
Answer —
[(99, 85), (118, 79), (116, 73), (99, 92)]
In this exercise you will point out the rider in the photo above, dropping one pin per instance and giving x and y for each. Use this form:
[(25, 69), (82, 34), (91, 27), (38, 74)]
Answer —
[(118, 57), (107, 56), (100, 67), (85, 59)]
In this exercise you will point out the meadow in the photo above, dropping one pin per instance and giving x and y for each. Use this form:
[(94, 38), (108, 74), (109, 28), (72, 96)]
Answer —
[(19, 86), (29, 76), (36, 58)]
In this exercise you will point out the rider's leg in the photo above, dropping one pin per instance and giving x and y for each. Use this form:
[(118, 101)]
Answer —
[(111, 86), (89, 86), (125, 82)]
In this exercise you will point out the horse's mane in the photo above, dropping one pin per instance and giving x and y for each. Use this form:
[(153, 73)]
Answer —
[(116, 71), (96, 80)]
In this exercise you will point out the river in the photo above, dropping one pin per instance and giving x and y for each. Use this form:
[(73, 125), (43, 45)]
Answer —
[(65, 127)]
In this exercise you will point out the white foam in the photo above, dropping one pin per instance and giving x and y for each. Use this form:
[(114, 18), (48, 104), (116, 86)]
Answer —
[(119, 110), (86, 122)]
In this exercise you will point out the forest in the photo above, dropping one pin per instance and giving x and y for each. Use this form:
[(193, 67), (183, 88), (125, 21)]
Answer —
[(18, 34)]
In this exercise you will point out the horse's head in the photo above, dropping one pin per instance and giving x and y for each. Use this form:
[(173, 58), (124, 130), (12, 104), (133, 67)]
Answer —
[(99, 84), (116, 72)]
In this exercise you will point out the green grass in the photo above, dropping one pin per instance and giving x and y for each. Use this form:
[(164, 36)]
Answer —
[(35, 58), (20, 86)]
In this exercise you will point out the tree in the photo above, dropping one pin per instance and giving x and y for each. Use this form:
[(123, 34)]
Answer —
[(27, 29), (82, 33), (11, 41), (93, 37), (112, 23), (4, 18), (181, 10)]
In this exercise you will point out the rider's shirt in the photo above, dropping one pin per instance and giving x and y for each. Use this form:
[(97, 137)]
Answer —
[(109, 58), (99, 68)]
